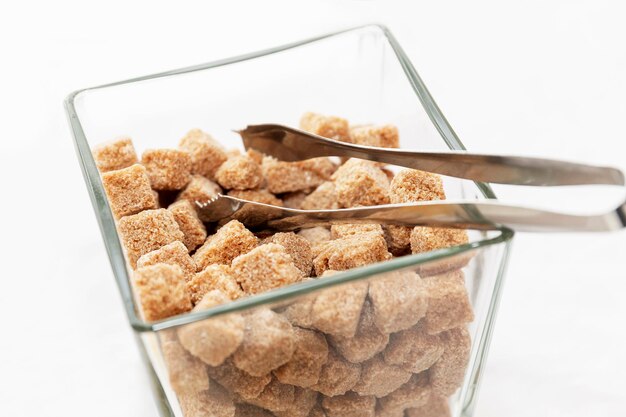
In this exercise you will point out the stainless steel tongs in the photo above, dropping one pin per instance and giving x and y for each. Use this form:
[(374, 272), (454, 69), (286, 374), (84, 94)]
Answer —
[(289, 144)]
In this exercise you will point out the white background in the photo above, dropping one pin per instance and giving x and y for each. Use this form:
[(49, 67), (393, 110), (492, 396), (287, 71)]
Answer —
[(537, 77)]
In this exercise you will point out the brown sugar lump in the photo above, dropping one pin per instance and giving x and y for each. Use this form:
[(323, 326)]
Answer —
[(285, 177), (324, 197), (338, 376), (337, 310), (331, 127), (385, 136), (207, 155), (199, 189), (214, 402), (315, 235), (192, 227), (304, 402), (447, 374), (297, 247), (366, 343), (249, 410), (186, 373), (264, 268), (299, 311), (294, 200), (269, 343), (255, 155), (230, 241), (116, 154), (168, 169), (351, 252), (413, 350), (416, 392), (399, 300), (426, 239), (216, 338), (128, 191), (162, 291), (174, 253), (214, 277), (436, 406), (411, 185), (239, 173), (350, 405), (238, 381), (448, 302), (398, 239), (379, 379), (146, 231), (309, 356), (260, 196), (361, 183), (275, 396), (337, 231), (317, 411)]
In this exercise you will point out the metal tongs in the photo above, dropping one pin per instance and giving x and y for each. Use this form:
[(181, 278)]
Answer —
[(289, 144)]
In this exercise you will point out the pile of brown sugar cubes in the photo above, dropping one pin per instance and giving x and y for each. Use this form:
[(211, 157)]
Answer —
[(396, 345)]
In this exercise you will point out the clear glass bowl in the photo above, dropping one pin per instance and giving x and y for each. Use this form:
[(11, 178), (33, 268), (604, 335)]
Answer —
[(361, 74)]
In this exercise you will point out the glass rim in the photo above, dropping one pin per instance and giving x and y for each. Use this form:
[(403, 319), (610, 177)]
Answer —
[(116, 253)]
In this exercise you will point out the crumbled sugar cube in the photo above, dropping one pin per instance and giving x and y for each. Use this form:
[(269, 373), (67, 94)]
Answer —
[(284, 177), (249, 410), (239, 173), (294, 200), (161, 291), (350, 405), (366, 343), (447, 374), (260, 196), (114, 155), (385, 136), (275, 396), (168, 169), (413, 350), (146, 231), (351, 252), (361, 183), (213, 339), (414, 393), (264, 268), (128, 191), (255, 155), (269, 343), (338, 376), (411, 185), (398, 239), (315, 235), (304, 401), (436, 406), (186, 373), (214, 277), (309, 356), (207, 155), (399, 299), (337, 310), (199, 189), (297, 247), (331, 127), (214, 402), (192, 227), (174, 253), (238, 381), (230, 241), (379, 378), (324, 197), (338, 231), (448, 302)]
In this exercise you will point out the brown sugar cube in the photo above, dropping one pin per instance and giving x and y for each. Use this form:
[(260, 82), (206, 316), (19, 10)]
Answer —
[(411, 185), (361, 183), (398, 239), (214, 277), (230, 241), (385, 412), (413, 350), (249, 410), (297, 247), (146, 231), (239, 173), (337, 310), (349, 405), (399, 299), (447, 374), (351, 252), (294, 200), (331, 127), (305, 366), (414, 393), (317, 411), (174, 253), (192, 227), (448, 302), (385, 136), (299, 311), (261, 196), (216, 338), (207, 155), (379, 378), (337, 231), (275, 396), (128, 191), (304, 401), (267, 267), (215, 402), (284, 177), (366, 343), (168, 169), (269, 343), (425, 239), (255, 155), (338, 376), (199, 189), (324, 197), (238, 381), (116, 154), (315, 234), (186, 373), (161, 291), (435, 407)]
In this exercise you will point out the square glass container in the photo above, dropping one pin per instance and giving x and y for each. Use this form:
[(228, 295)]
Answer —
[(363, 75)]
